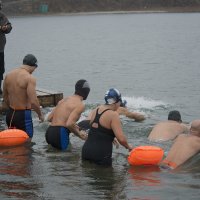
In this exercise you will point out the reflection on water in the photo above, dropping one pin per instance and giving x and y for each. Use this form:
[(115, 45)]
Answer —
[(15, 161), (144, 176), (15, 170), (104, 182)]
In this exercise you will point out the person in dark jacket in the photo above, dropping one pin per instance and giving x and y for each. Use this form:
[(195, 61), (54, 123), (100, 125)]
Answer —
[(5, 28)]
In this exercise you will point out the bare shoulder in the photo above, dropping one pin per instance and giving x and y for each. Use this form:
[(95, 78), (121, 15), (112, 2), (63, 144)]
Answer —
[(121, 110), (30, 81), (161, 124), (31, 78), (113, 114), (79, 106)]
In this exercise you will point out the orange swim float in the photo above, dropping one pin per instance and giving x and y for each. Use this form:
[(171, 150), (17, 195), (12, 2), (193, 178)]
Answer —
[(145, 155), (12, 137)]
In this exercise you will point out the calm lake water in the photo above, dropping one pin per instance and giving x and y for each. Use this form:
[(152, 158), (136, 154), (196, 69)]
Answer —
[(153, 59)]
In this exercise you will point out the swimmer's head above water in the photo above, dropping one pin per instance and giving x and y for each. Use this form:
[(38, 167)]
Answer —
[(175, 116), (112, 96), (30, 60), (82, 88)]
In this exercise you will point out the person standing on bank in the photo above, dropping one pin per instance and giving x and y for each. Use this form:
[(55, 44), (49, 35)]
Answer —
[(64, 116), (5, 28), (19, 94), (105, 126)]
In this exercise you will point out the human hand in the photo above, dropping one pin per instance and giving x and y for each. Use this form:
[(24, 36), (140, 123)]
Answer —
[(139, 117), (116, 143), (83, 135), (41, 118), (130, 148), (4, 28)]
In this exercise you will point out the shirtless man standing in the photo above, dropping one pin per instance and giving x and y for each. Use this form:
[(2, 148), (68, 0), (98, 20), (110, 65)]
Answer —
[(170, 129), (65, 115), (19, 94), (184, 147)]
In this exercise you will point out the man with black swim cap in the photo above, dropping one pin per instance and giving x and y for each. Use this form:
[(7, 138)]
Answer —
[(65, 115), (30, 60), (5, 28), (82, 88), (170, 129), (19, 93)]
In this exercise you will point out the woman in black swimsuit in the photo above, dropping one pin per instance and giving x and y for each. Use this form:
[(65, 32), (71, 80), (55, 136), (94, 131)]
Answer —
[(105, 125)]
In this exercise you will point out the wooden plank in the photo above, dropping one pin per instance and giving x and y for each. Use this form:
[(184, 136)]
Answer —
[(46, 98)]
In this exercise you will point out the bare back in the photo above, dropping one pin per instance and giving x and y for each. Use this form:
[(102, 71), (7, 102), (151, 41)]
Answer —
[(106, 119), (110, 120), (68, 111), (167, 130), (184, 147), (17, 85)]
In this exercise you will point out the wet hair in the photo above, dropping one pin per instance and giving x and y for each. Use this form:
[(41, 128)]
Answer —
[(30, 60), (112, 96), (174, 115), (82, 88)]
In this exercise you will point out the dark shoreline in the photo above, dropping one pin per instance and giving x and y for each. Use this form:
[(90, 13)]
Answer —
[(75, 7), (105, 12)]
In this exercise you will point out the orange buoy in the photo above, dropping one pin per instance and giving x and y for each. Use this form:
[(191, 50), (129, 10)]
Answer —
[(12, 137), (145, 155)]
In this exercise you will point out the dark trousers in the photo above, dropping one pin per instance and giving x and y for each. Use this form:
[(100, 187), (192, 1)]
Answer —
[(2, 67), (2, 64)]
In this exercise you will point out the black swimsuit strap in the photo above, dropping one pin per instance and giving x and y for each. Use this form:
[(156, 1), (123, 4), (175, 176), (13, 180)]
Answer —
[(98, 115)]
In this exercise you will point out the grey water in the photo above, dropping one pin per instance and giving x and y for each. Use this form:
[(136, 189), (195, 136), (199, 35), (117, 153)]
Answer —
[(153, 59)]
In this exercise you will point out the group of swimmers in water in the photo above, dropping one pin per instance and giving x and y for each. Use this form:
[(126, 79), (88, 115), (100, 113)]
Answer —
[(103, 123)]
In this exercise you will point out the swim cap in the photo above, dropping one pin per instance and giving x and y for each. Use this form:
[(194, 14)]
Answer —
[(30, 60), (175, 116), (82, 88), (123, 103), (112, 96)]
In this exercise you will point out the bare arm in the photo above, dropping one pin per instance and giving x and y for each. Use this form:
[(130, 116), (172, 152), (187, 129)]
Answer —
[(132, 115), (31, 92), (73, 118), (137, 116), (117, 129)]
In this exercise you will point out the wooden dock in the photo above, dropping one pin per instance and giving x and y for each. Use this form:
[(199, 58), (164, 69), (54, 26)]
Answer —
[(46, 98)]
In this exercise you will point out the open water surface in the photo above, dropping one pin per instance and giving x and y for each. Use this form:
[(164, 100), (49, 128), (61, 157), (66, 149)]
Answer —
[(153, 59)]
